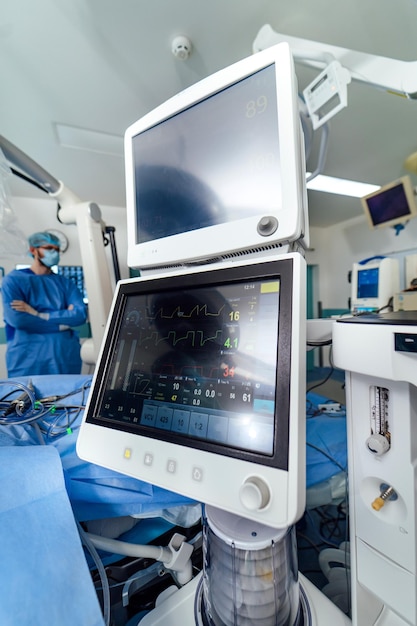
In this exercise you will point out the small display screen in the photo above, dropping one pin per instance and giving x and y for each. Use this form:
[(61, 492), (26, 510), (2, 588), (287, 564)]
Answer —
[(76, 274), (368, 283), (216, 162), (388, 205), (198, 365)]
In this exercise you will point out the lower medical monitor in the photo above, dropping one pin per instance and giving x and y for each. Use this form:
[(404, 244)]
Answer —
[(223, 161), (200, 387)]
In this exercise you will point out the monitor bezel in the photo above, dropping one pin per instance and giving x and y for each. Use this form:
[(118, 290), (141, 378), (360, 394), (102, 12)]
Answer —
[(240, 235), (197, 473), (280, 269), (408, 189)]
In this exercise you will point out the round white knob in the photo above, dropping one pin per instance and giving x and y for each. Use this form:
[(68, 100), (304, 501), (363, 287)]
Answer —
[(254, 494), (377, 444)]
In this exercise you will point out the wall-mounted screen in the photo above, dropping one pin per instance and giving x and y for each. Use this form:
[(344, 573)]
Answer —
[(391, 205)]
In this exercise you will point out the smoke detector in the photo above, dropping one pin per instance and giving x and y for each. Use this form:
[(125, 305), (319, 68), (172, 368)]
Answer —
[(181, 47)]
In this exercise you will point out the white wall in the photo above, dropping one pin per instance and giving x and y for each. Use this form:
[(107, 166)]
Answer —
[(335, 249), (34, 215)]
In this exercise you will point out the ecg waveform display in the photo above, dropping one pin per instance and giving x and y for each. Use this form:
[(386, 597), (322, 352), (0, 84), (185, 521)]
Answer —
[(199, 363)]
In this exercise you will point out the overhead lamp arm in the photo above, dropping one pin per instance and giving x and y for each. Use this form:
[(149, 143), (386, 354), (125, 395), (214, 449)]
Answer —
[(27, 166), (87, 217)]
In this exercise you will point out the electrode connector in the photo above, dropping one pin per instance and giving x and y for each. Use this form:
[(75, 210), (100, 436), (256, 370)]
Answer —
[(387, 494)]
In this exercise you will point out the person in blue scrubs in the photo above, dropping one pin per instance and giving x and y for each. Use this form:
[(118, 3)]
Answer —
[(40, 310)]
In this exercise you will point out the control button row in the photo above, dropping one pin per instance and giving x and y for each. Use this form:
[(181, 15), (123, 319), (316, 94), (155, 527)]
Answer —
[(171, 465)]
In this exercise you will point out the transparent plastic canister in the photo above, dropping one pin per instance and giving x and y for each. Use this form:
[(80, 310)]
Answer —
[(250, 573)]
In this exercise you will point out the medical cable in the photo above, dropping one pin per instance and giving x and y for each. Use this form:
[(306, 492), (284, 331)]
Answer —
[(329, 456), (26, 409), (322, 153), (88, 544), (124, 548), (319, 344), (322, 382)]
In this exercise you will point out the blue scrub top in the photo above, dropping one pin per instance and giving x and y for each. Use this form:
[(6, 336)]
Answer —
[(35, 345)]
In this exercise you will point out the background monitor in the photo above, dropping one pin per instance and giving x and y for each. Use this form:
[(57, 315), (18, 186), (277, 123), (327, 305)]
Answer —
[(374, 284), (76, 274), (202, 377), (392, 204), (222, 161)]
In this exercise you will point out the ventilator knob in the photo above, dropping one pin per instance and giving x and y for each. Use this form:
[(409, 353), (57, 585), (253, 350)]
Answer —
[(378, 444), (255, 494)]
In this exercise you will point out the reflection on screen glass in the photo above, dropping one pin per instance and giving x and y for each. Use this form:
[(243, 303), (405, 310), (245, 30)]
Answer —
[(198, 363), (215, 162)]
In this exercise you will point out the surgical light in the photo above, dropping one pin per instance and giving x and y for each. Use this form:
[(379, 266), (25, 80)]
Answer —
[(341, 186)]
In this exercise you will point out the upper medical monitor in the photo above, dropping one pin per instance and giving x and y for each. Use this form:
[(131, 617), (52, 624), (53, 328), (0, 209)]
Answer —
[(219, 168), (200, 387), (391, 205)]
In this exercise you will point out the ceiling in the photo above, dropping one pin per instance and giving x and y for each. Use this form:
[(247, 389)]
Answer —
[(96, 66)]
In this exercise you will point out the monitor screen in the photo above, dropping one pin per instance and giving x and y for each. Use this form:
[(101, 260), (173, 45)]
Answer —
[(367, 286), (224, 159), (194, 364), (190, 175), (392, 204), (203, 363)]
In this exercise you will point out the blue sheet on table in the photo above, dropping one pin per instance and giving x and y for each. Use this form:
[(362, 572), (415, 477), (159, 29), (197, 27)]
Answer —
[(326, 452), (96, 492)]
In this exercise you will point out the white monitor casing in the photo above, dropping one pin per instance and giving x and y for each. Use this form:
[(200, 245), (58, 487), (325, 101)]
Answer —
[(238, 233), (374, 284), (257, 491)]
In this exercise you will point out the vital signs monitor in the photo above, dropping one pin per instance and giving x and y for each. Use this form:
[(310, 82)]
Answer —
[(200, 387)]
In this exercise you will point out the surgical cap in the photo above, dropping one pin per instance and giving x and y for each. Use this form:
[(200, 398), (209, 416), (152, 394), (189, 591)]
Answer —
[(44, 238)]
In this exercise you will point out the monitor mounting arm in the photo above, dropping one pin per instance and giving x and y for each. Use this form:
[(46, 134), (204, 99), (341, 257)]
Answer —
[(87, 217), (392, 75)]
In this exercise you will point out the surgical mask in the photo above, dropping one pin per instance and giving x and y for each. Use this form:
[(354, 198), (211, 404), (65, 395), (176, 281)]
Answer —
[(50, 257)]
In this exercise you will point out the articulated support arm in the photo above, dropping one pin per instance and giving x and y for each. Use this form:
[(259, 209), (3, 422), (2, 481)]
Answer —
[(87, 217), (393, 75)]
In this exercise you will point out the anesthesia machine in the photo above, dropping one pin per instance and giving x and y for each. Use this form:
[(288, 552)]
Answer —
[(379, 354)]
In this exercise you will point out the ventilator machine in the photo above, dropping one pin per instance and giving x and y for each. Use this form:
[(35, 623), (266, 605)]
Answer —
[(200, 386)]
